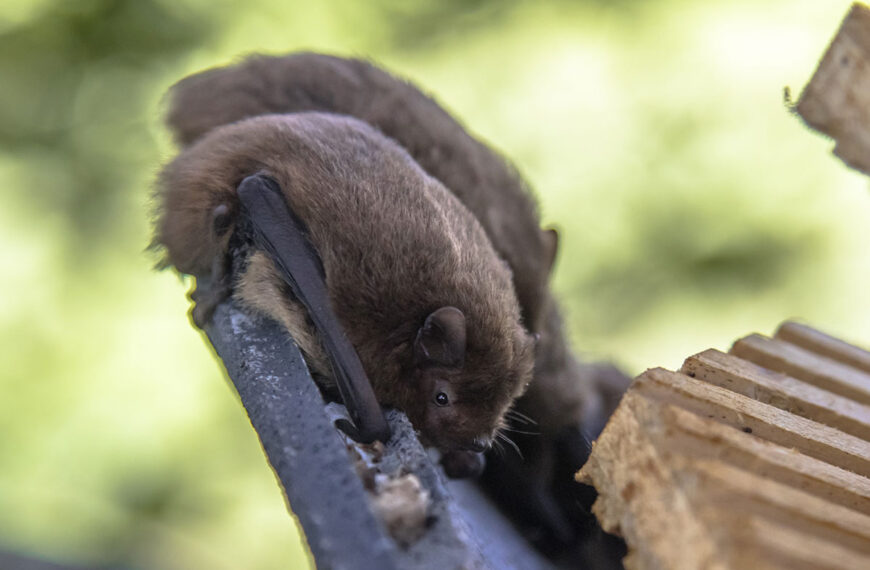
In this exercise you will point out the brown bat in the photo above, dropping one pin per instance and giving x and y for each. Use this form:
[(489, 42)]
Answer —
[(409, 273), (314, 82), (568, 401), (564, 391)]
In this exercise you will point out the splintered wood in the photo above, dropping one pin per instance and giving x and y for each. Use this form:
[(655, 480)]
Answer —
[(759, 458), (836, 102)]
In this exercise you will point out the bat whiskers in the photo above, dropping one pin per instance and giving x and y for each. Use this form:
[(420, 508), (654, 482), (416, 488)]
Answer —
[(524, 432), (498, 448), (500, 436), (519, 417)]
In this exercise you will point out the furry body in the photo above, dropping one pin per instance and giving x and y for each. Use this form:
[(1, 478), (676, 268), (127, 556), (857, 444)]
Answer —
[(565, 392), (395, 246), (568, 401), (482, 180)]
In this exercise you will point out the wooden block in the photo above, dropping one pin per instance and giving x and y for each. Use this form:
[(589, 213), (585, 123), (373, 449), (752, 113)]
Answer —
[(824, 345), (688, 505), (805, 365), (780, 390), (740, 466), (836, 101)]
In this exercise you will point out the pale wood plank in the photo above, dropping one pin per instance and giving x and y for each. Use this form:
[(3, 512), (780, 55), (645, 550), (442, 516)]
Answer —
[(722, 487), (824, 345), (800, 363), (752, 541), (811, 438), (676, 429), (780, 390)]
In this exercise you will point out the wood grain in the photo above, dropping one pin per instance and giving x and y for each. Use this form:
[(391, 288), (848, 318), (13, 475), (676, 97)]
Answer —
[(755, 459), (836, 101)]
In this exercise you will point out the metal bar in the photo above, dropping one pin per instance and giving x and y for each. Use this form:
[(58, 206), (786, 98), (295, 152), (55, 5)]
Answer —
[(307, 454), (310, 457)]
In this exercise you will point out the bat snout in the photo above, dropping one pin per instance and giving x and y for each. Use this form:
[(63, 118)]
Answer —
[(478, 444)]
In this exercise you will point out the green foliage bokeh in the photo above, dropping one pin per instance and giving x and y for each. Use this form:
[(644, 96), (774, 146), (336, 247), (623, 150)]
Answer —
[(693, 208)]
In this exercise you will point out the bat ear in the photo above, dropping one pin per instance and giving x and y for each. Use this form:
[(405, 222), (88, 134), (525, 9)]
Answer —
[(441, 339), (551, 246)]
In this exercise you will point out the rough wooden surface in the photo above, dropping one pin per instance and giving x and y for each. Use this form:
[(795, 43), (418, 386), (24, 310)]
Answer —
[(732, 463), (779, 390), (836, 101), (808, 366), (824, 345)]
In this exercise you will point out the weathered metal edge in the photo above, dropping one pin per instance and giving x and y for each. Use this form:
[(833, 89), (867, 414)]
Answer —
[(311, 460), (308, 457)]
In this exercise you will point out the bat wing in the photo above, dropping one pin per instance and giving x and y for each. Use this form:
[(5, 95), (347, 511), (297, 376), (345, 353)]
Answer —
[(278, 232)]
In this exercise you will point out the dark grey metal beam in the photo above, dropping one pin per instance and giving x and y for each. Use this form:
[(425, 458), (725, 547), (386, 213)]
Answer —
[(311, 460), (308, 456)]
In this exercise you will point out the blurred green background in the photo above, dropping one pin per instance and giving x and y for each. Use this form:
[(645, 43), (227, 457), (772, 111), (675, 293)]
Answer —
[(694, 208)]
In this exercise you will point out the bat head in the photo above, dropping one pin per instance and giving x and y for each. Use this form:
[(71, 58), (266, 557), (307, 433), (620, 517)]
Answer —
[(460, 398)]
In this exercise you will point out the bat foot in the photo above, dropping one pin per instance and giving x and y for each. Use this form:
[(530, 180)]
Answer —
[(205, 303)]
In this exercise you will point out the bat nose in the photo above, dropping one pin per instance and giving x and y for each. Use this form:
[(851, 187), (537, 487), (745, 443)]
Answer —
[(478, 444)]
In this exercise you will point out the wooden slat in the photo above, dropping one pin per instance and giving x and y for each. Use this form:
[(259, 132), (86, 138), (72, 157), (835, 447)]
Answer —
[(816, 440), (724, 487), (800, 363), (780, 390), (766, 544), (704, 438), (824, 345)]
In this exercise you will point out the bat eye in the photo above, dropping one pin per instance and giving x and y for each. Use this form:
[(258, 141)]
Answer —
[(441, 399)]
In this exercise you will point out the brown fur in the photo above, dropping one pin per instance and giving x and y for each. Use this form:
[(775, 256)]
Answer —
[(482, 180), (567, 399), (395, 246), (564, 392)]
